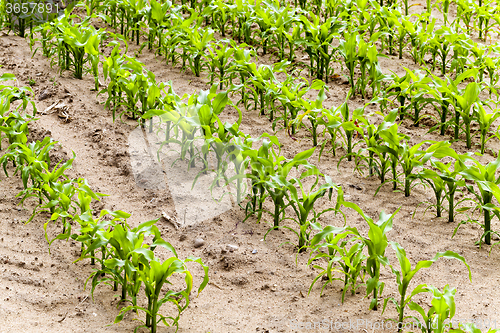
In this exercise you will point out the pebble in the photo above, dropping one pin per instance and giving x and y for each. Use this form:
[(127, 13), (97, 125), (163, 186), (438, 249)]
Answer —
[(198, 242), (254, 251), (231, 248)]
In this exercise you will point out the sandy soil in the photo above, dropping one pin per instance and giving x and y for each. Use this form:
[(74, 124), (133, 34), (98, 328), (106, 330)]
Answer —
[(261, 292)]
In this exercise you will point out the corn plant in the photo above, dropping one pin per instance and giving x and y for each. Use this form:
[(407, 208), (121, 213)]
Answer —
[(219, 58), (242, 60), (30, 159), (406, 274), (438, 186), (133, 12), (157, 18), (419, 33), (94, 235), (464, 103), (465, 14), (123, 250), (376, 244), (444, 8), (262, 163), (222, 146), (443, 42), (264, 19), (9, 94), (443, 93), (370, 69), (242, 144), (485, 120), (278, 181), (351, 259), (442, 310), (377, 160), (347, 49), (182, 117), (256, 79), (14, 127), (154, 276), (393, 144), (483, 59), (244, 13), (77, 46), (304, 205), (198, 43), (400, 27), (486, 18), (220, 13), (411, 158), (56, 190), (452, 182), (62, 205), (350, 126), (46, 38), (485, 179), (416, 95), (290, 95), (318, 43), (177, 36), (285, 29), (131, 85), (331, 120), (313, 110)]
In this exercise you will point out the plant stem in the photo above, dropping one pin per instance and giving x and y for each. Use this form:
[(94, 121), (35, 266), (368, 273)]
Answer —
[(124, 285), (451, 205), (407, 186), (313, 124), (467, 135), (349, 145), (276, 214), (444, 113), (487, 219), (401, 311)]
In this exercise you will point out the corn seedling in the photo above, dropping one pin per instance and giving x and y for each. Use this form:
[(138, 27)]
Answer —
[(452, 182), (406, 274), (485, 179), (313, 109), (318, 42), (304, 205), (154, 276), (485, 120), (442, 310), (376, 244), (351, 259), (463, 105), (77, 46)]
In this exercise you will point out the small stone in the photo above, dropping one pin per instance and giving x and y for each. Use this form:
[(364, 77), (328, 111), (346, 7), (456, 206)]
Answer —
[(198, 242), (182, 237), (254, 251), (231, 248)]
